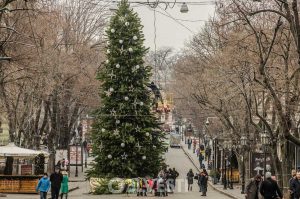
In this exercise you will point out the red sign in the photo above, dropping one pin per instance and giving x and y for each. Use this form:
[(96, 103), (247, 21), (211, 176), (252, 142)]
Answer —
[(26, 169), (73, 156)]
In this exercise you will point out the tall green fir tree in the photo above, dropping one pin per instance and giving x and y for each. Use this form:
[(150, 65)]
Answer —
[(127, 139)]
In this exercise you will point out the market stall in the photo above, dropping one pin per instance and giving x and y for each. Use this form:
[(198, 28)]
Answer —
[(21, 176)]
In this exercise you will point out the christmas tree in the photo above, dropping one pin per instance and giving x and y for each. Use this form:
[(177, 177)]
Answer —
[(127, 140)]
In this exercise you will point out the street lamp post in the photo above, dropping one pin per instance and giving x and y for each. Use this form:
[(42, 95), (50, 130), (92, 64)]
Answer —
[(225, 172), (265, 142), (230, 147), (76, 168), (243, 144)]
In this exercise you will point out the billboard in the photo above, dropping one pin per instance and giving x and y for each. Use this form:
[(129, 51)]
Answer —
[(73, 149)]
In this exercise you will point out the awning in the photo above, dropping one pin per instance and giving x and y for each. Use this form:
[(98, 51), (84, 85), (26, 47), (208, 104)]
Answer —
[(11, 150)]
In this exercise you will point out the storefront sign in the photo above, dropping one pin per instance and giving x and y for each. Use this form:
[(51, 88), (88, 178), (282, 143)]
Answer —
[(26, 169), (257, 164)]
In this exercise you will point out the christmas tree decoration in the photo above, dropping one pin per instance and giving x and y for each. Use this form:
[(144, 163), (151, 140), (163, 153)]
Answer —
[(112, 75), (113, 112), (108, 42), (103, 130), (108, 93), (126, 110), (138, 146), (108, 51), (116, 132), (124, 156), (107, 61)]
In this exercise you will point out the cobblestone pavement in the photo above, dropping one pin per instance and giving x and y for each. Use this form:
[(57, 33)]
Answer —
[(175, 158)]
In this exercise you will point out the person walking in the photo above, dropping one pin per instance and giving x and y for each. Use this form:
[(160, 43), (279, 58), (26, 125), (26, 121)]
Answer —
[(189, 143), (175, 175), (55, 179), (295, 186), (190, 178), (199, 181), (294, 174), (203, 182), (194, 145), (64, 185), (43, 186), (269, 188), (201, 158), (252, 188)]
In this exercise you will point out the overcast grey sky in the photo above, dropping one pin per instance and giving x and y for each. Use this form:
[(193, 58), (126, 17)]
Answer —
[(168, 31)]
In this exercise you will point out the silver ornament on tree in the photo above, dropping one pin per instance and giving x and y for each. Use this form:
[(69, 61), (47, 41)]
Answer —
[(144, 157), (107, 61), (108, 51), (130, 50), (120, 41), (126, 98), (103, 130), (112, 30), (135, 38), (126, 23), (147, 134), (122, 145), (117, 65), (111, 89), (109, 156), (117, 121), (137, 67), (142, 103)]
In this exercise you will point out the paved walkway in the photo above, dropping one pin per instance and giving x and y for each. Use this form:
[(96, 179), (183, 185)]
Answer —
[(233, 193)]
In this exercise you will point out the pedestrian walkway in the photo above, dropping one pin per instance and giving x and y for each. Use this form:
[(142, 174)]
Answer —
[(233, 193)]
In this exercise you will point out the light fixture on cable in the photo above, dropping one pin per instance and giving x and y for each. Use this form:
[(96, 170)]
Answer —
[(184, 8)]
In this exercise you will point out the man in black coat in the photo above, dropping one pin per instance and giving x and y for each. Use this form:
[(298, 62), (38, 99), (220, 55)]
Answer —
[(203, 182), (295, 186), (55, 179), (269, 188)]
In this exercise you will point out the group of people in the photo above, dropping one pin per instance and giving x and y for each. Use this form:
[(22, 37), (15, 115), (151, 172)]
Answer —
[(58, 182), (160, 186), (166, 182), (201, 178), (295, 185), (267, 188)]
